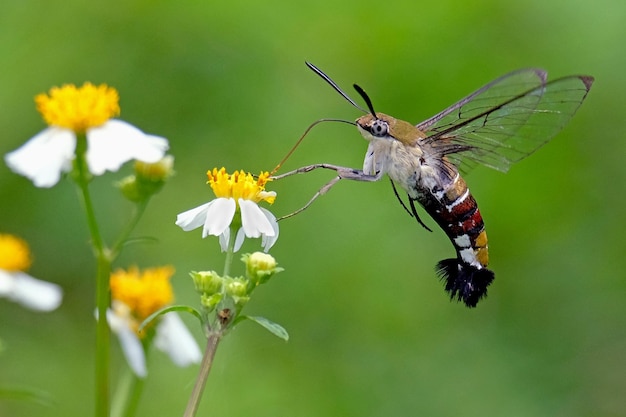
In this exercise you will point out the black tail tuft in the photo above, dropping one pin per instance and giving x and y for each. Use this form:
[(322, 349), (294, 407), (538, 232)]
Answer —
[(464, 281)]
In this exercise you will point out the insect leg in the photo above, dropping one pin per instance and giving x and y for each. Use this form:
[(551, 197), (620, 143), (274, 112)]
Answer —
[(395, 191), (343, 173), (414, 210), (321, 191)]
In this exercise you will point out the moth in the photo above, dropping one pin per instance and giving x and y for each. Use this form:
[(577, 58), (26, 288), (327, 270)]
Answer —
[(496, 126)]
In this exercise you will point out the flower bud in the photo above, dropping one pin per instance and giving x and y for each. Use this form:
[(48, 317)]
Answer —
[(147, 180), (210, 301), (158, 172), (260, 267), (129, 189), (207, 283), (237, 289)]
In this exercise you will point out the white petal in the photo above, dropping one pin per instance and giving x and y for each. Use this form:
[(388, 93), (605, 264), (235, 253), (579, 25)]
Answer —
[(129, 342), (266, 194), (253, 220), (30, 292), (219, 216), (116, 142), (173, 338), (194, 218), (44, 157), (6, 283), (268, 241), (225, 239), (241, 235)]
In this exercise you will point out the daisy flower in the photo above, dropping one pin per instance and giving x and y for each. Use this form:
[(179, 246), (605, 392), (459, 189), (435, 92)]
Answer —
[(84, 112), (17, 285), (238, 195), (135, 296)]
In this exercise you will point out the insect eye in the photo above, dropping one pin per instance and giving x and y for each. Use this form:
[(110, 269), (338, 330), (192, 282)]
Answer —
[(379, 128)]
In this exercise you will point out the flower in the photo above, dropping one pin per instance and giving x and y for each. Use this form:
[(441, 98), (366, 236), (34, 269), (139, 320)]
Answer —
[(236, 193), (17, 285), (135, 296), (70, 111)]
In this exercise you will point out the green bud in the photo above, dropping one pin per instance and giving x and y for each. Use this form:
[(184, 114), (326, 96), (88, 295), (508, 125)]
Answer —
[(260, 267), (147, 180), (207, 282), (237, 289), (210, 301), (128, 187), (158, 172)]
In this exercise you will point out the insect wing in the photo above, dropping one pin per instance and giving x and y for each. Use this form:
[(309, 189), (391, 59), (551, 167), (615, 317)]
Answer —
[(506, 120)]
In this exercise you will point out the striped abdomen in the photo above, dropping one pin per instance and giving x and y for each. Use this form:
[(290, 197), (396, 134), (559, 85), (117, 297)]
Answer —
[(456, 212)]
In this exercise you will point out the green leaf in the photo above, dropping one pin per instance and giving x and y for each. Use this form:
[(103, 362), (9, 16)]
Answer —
[(141, 239), (26, 394), (186, 309), (274, 328)]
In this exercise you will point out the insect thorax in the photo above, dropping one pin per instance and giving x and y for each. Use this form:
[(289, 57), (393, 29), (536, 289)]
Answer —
[(414, 169)]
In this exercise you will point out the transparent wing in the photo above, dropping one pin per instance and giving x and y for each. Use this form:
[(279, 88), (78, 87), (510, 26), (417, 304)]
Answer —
[(506, 120)]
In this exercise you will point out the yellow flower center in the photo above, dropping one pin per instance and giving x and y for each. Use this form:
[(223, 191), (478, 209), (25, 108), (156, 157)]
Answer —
[(14, 254), (78, 109), (143, 292), (240, 185)]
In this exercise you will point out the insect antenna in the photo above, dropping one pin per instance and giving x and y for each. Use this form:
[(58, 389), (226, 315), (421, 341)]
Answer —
[(344, 95), (336, 87), (366, 98)]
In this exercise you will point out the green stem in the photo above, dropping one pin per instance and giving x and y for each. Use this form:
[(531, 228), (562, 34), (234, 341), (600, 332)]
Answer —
[(205, 367), (103, 336), (213, 339), (123, 394), (135, 391), (230, 252), (103, 259), (137, 213), (126, 399)]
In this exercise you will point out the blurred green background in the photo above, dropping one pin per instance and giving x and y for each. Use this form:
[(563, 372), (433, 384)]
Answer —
[(372, 332)]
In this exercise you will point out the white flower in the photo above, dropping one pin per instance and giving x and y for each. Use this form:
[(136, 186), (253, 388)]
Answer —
[(217, 215), (88, 110), (30, 292), (136, 295), (17, 285), (236, 193), (172, 338)]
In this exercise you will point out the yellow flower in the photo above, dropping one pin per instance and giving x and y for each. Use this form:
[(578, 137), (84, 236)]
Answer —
[(88, 110), (143, 292), (14, 254), (78, 109), (136, 295), (17, 285), (240, 185), (236, 193)]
